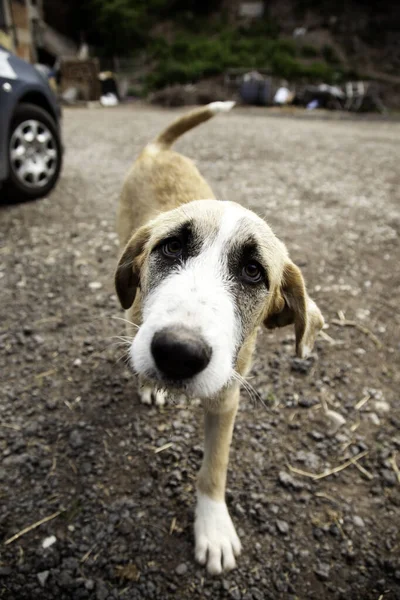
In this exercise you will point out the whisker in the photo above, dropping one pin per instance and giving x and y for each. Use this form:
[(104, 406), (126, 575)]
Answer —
[(253, 394), (123, 338), (126, 321)]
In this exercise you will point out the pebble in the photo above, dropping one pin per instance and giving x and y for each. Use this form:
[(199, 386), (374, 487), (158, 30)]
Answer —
[(75, 439), (101, 591), (282, 526), (181, 569), (89, 584), (358, 521), (77, 362), (322, 571), (42, 577), (95, 285), (286, 480), (49, 541)]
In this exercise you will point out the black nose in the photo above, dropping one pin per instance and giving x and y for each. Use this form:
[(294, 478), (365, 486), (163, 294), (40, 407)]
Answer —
[(180, 353)]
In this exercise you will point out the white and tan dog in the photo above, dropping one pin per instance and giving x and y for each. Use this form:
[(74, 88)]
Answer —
[(199, 276)]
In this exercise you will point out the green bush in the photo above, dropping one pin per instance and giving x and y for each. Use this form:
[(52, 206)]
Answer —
[(190, 57), (308, 51), (330, 55)]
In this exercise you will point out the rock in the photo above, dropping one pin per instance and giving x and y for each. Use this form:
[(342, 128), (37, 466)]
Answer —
[(95, 285), (322, 571), (49, 541), (65, 580), (51, 403), (235, 594), (286, 480), (302, 365), (77, 362), (309, 459), (358, 521), (373, 417), (307, 402), (257, 594), (389, 476), (75, 439), (282, 526), (181, 569), (89, 585), (101, 591), (42, 577), (381, 406)]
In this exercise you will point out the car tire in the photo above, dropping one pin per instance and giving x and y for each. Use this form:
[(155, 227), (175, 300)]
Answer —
[(34, 154)]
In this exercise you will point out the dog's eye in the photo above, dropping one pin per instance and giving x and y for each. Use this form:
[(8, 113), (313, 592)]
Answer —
[(252, 272), (172, 248)]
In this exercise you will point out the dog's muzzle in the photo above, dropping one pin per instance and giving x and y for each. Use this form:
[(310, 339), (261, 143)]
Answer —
[(179, 352)]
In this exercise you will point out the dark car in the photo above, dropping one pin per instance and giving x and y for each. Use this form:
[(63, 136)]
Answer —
[(30, 134)]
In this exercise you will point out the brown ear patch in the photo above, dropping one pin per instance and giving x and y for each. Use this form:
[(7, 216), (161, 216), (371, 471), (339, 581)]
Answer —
[(127, 275), (292, 305)]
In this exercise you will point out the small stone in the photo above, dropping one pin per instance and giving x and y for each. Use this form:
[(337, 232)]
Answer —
[(316, 435), (89, 585), (235, 593), (95, 285), (389, 477), (257, 594), (42, 577), (77, 362), (282, 526), (358, 521), (101, 591), (75, 439), (307, 402), (181, 569), (373, 417), (322, 571), (381, 406), (49, 541), (286, 480)]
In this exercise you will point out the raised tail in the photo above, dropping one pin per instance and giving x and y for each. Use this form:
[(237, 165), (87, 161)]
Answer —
[(188, 121)]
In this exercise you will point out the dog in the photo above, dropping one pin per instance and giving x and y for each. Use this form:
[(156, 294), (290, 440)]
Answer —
[(197, 277)]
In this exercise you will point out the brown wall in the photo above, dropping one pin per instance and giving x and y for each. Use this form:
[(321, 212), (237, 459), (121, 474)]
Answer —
[(20, 18)]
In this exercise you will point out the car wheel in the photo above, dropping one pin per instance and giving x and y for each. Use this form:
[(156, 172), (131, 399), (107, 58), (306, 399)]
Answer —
[(34, 154)]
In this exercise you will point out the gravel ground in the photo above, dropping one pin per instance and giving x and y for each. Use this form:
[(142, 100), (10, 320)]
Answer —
[(76, 442)]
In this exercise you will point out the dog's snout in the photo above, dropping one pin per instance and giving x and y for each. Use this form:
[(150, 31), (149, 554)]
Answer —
[(179, 352)]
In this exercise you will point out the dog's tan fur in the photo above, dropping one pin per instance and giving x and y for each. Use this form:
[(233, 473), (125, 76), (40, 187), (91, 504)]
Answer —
[(162, 180)]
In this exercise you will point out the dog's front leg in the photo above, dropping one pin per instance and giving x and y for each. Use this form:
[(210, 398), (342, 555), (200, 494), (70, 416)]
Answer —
[(216, 540)]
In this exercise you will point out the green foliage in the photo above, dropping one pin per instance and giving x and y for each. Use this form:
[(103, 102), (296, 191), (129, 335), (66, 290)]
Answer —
[(330, 55), (308, 51), (190, 57), (202, 46)]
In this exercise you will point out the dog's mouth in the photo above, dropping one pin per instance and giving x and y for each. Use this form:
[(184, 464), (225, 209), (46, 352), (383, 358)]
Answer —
[(161, 383)]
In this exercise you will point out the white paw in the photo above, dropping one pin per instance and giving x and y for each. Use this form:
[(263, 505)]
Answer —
[(216, 541), (148, 395)]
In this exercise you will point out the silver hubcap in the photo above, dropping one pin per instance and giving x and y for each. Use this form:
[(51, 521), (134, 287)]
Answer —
[(33, 153)]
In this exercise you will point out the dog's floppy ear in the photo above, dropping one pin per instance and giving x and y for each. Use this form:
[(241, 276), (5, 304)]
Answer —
[(293, 305), (127, 276)]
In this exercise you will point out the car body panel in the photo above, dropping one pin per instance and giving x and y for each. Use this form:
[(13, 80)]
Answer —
[(19, 81)]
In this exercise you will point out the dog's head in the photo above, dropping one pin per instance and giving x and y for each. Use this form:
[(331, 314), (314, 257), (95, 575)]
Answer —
[(209, 274)]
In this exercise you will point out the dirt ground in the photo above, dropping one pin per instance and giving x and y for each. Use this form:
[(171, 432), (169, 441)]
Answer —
[(77, 446)]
